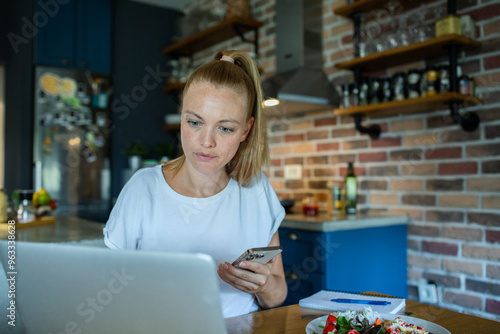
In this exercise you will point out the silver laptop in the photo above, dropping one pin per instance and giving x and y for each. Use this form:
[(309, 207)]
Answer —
[(75, 289)]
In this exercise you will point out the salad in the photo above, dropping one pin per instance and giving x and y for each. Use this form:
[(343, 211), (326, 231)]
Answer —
[(367, 321)]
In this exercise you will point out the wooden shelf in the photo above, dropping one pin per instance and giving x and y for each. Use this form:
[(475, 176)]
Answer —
[(171, 127), (438, 101), (223, 31), (364, 6), (431, 48)]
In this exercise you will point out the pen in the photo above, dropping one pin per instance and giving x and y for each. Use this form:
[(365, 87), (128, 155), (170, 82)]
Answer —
[(360, 301)]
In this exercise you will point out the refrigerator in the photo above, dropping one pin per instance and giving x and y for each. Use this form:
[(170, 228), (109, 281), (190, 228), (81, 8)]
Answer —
[(71, 141)]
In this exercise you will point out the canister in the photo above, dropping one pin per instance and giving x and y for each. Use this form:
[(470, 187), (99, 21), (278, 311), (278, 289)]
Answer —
[(448, 25)]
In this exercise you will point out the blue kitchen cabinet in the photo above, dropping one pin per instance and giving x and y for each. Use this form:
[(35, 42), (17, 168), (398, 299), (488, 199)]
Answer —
[(76, 35), (354, 260)]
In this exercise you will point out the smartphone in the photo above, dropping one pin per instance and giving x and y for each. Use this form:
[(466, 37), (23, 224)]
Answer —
[(260, 255)]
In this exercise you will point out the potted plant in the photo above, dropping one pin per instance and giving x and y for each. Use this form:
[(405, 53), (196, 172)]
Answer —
[(135, 153), (164, 151)]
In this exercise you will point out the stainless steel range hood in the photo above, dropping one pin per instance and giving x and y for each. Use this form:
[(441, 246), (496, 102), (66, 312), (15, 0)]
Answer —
[(300, 83)]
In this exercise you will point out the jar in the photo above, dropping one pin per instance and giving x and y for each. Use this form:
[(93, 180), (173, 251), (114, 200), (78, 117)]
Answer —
[(423, 83), (25, 211), (398, 86), (464, 85), (413, 84), (386, 90), (363, 92), (375, 91), (432, 81), (354, 95), (444, 79), (346, 91)]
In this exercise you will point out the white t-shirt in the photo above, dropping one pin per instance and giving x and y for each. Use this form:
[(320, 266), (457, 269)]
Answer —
[(150, 215)]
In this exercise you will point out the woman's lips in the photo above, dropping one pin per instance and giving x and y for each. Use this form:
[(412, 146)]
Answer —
[(204, 157)]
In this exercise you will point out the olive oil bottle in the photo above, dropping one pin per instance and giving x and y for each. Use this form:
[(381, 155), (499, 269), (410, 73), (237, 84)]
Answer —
[(351, 190)]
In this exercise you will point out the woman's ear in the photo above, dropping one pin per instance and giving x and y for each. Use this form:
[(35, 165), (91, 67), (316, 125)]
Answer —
[(247, 129)]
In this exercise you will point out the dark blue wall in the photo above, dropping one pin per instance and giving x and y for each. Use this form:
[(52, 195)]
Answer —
[(139, 74)]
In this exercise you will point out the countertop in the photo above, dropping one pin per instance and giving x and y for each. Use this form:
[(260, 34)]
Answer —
[(328, 223), (65, 229)]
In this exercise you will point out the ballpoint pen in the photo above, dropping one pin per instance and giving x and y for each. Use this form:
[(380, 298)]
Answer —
[(360, 301)]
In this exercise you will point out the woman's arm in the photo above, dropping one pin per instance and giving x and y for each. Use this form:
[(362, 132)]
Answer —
[(266, 281)]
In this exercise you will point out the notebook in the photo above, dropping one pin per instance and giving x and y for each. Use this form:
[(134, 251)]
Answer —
[(323, 300), (77, 289)]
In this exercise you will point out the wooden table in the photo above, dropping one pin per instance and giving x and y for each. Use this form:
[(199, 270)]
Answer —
[(293, 319)]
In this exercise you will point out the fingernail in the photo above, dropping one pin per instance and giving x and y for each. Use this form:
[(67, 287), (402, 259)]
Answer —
[(225, 266), (243, 264)]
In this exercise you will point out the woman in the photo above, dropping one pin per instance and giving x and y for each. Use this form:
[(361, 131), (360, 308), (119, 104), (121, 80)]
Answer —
[(214, 199)]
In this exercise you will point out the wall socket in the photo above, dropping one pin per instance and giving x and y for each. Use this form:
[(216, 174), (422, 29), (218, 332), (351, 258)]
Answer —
[(293, 172), (427, 293)]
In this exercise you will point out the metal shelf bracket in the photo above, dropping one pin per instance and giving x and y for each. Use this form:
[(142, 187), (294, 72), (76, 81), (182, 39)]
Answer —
[(373, 130)]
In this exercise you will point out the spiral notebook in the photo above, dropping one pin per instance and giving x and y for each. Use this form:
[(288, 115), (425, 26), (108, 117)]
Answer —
[(323, 300)]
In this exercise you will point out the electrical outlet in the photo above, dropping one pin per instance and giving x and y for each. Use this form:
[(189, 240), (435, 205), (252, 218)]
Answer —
[(293, 172), (427, 293)]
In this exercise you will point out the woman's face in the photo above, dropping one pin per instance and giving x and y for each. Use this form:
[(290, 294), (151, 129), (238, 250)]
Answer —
[(214, 123)]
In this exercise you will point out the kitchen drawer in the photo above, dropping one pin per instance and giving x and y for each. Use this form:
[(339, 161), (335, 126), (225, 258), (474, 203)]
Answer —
[(301, 285), (303, 249)]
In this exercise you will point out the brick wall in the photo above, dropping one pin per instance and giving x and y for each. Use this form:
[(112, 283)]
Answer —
[(445, 179)]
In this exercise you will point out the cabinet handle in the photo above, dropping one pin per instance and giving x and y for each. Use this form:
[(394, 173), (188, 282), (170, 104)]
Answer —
[(291, 275), (292, 236)]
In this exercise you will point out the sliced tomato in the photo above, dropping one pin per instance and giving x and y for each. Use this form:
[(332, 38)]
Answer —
[(353, 331), (331, 322), (378, 322)]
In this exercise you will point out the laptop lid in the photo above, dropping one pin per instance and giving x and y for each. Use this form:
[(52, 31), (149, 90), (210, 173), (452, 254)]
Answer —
[(75, 289)]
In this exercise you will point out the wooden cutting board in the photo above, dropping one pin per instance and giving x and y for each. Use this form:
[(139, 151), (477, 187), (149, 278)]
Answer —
[(37, 222)]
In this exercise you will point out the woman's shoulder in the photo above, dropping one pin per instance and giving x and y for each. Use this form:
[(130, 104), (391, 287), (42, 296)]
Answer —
[(145, 176), (259, 184)]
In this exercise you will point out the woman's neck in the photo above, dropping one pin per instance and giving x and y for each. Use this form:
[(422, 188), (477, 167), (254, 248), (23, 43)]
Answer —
[(193, 184)]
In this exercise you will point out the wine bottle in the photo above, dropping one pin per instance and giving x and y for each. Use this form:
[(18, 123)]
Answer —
[(351, 190)]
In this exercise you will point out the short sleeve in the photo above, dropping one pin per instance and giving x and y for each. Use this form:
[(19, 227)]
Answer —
[(276, 210), (123, 229)]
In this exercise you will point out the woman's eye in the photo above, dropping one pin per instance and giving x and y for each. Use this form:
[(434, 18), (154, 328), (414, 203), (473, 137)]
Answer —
[(193, 123), (224, 129)]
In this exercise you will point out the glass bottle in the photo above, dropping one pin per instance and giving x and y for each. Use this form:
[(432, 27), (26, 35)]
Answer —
[(351, 190), (25, 211)]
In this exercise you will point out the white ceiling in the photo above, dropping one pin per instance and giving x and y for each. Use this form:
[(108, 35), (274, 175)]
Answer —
[(171, 4)]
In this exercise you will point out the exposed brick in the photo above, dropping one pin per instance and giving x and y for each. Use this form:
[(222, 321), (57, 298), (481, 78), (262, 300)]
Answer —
[(482, 150), (280, 126), (357, 170), (280, 150), (491, 202), (487, 46), (355, 144), (407, 125), (317, 160), (423, 230), (303, 125), (445, 185), (485, 12), (493, 271), (443, 280), (439, 121), (373, 185), (459, 136), (303, 148), (464, 300), (444, 216), (488, 219), (491, 167), (413, 214), (492, 306), (483, 184), (321, 172), (424, 261), (444, 153), (294, 137), (383, 171), (492, 131), (458, 201), (421, 140), (413, 245), (481, 252), (407, 155), (402, 184), (492, 62), (466, 267), (327, 147), (386, 142), (318, 184), (462, 233), (384, 199), (294, 161), (339, 133), (276, 140), (372, 157), (481, 286), (488, 115), (457, 168), (465, 4), (492, 27), (275, 162), (428, 200), (325, 121), (314, 135), (412, 168), (294, 184), (342, 158), (439, 248)]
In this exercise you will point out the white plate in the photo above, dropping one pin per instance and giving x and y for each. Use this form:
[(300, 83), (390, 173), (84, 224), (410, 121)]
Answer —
[(431, 327)]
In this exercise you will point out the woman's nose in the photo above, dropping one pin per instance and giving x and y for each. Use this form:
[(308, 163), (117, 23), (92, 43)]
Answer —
[(208, 138)]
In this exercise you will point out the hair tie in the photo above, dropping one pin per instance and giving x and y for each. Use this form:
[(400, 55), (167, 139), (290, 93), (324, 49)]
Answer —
[(227, 58)]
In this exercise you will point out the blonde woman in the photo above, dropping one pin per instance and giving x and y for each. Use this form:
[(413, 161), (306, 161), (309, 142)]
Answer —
[(214, 198)]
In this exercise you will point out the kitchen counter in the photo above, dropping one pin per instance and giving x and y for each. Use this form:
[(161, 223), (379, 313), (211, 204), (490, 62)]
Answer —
[(65, 229), (328, 223)]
